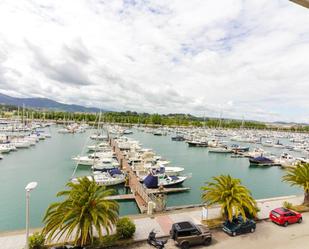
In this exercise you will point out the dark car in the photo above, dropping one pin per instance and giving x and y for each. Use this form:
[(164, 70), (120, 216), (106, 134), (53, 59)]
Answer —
[(187, 234), (239, 226), (283, 216)]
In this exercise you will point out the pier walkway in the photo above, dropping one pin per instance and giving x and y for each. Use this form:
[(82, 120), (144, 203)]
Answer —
[(139, 192)]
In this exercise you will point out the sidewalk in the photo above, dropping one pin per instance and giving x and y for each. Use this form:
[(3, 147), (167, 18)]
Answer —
[(162, 223)]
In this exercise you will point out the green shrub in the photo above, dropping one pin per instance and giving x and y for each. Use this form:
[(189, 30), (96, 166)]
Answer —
[(36, 241), (287, 205), (125, 228)]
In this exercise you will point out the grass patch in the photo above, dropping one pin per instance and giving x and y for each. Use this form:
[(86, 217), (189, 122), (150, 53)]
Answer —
[(213, 223)]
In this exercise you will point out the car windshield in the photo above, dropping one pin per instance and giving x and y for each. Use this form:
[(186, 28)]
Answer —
[(275, 214)]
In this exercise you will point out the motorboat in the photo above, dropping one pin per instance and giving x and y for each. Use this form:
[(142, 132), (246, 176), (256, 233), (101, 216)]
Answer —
[(178, 138), (170, 170), (236, 148), (4, 148), (196, 143), (21, 144), (154, 181), (286, 160), (261, 161), (127, 132), (99, 147), (256, 152), (220, 150), (109, 178), (98, 137)]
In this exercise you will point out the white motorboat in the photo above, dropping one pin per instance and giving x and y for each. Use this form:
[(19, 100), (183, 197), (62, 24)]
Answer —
[(86, 160), (155, 170), (220, 150), (98, 147), (105, 178), (286, 160), (91, 159), (153, 181), (4, 148), (21, 144), (98, 137)]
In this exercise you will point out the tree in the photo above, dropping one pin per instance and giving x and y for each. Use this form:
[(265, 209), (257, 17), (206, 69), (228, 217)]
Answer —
[(299, 176), (83, 209), (233, 197)]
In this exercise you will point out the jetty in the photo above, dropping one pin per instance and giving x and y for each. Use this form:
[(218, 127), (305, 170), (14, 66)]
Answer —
[(142, 195)]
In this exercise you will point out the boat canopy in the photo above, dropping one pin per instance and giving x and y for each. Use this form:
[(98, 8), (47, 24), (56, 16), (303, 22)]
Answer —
[(151, 181), (262, 159), (115, 171)]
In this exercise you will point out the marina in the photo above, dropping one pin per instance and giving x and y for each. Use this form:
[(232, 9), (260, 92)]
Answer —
[(50, 163)]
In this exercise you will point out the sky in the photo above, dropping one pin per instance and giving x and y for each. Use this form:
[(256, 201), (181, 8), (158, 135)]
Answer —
[(231, 58)]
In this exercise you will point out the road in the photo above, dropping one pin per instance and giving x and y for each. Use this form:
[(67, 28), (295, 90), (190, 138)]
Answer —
[(267, 236)]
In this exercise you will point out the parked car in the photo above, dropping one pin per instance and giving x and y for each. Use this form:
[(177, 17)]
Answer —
[(239, 226), (283, 216), (186, 234)]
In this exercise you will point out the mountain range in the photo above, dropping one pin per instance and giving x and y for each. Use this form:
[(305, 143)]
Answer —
[(45, 103)]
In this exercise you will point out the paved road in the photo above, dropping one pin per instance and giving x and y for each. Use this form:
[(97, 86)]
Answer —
[(266, 236)]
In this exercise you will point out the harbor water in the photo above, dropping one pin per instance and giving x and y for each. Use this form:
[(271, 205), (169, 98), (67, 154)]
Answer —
[(49, 163)]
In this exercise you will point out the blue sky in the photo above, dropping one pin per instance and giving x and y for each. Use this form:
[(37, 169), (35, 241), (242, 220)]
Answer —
[(241, 58)]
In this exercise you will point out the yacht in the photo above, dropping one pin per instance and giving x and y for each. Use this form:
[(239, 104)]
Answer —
[(110, 178), (99, 147), (98, 137), (261, 161), (197, 143), (152, 181), (286, 160), (220, 150)]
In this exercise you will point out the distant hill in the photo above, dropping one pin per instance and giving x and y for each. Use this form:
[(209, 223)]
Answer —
[(44, 103)]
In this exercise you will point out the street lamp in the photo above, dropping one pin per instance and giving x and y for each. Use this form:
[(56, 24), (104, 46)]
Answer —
[(28, 188)]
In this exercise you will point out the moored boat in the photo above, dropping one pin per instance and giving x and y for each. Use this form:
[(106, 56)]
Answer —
[(261, 161)]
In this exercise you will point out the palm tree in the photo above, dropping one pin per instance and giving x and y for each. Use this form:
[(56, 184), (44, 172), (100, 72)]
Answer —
[(299, 176), (234, 198), (83, 210)]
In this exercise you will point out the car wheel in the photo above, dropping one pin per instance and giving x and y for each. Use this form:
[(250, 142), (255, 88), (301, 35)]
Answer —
[(252, 230), (234, 234), (286, 224), (185, 245), (300, 220), (207, 241)]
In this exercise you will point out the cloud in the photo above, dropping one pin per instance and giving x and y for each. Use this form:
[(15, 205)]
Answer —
[(64, 70), (236, 58)]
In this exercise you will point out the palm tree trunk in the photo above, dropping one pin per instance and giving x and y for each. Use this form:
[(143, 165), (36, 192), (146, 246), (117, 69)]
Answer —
[(306, 199)]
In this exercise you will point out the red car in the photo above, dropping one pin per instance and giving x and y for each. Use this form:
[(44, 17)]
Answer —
[(284, 216)]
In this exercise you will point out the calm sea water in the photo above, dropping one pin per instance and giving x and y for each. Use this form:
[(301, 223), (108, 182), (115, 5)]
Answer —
[(49, 163), (263, 182)]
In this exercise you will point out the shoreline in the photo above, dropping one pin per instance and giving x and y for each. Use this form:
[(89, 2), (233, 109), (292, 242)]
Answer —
[(294, 199)]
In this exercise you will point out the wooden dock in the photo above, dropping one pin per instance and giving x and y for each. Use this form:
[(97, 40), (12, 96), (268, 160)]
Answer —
[(121, 197), (141, 194), (167, 190)]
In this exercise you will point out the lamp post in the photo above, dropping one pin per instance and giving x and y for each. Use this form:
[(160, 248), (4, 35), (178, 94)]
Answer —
[(28, 188)]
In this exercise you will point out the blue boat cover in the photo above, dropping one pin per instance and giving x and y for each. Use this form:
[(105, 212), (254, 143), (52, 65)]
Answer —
[(115, 171), (262, 159), (151, 181)]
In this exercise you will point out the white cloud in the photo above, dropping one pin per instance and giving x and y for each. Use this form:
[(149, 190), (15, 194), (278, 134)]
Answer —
[(239, 58)]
